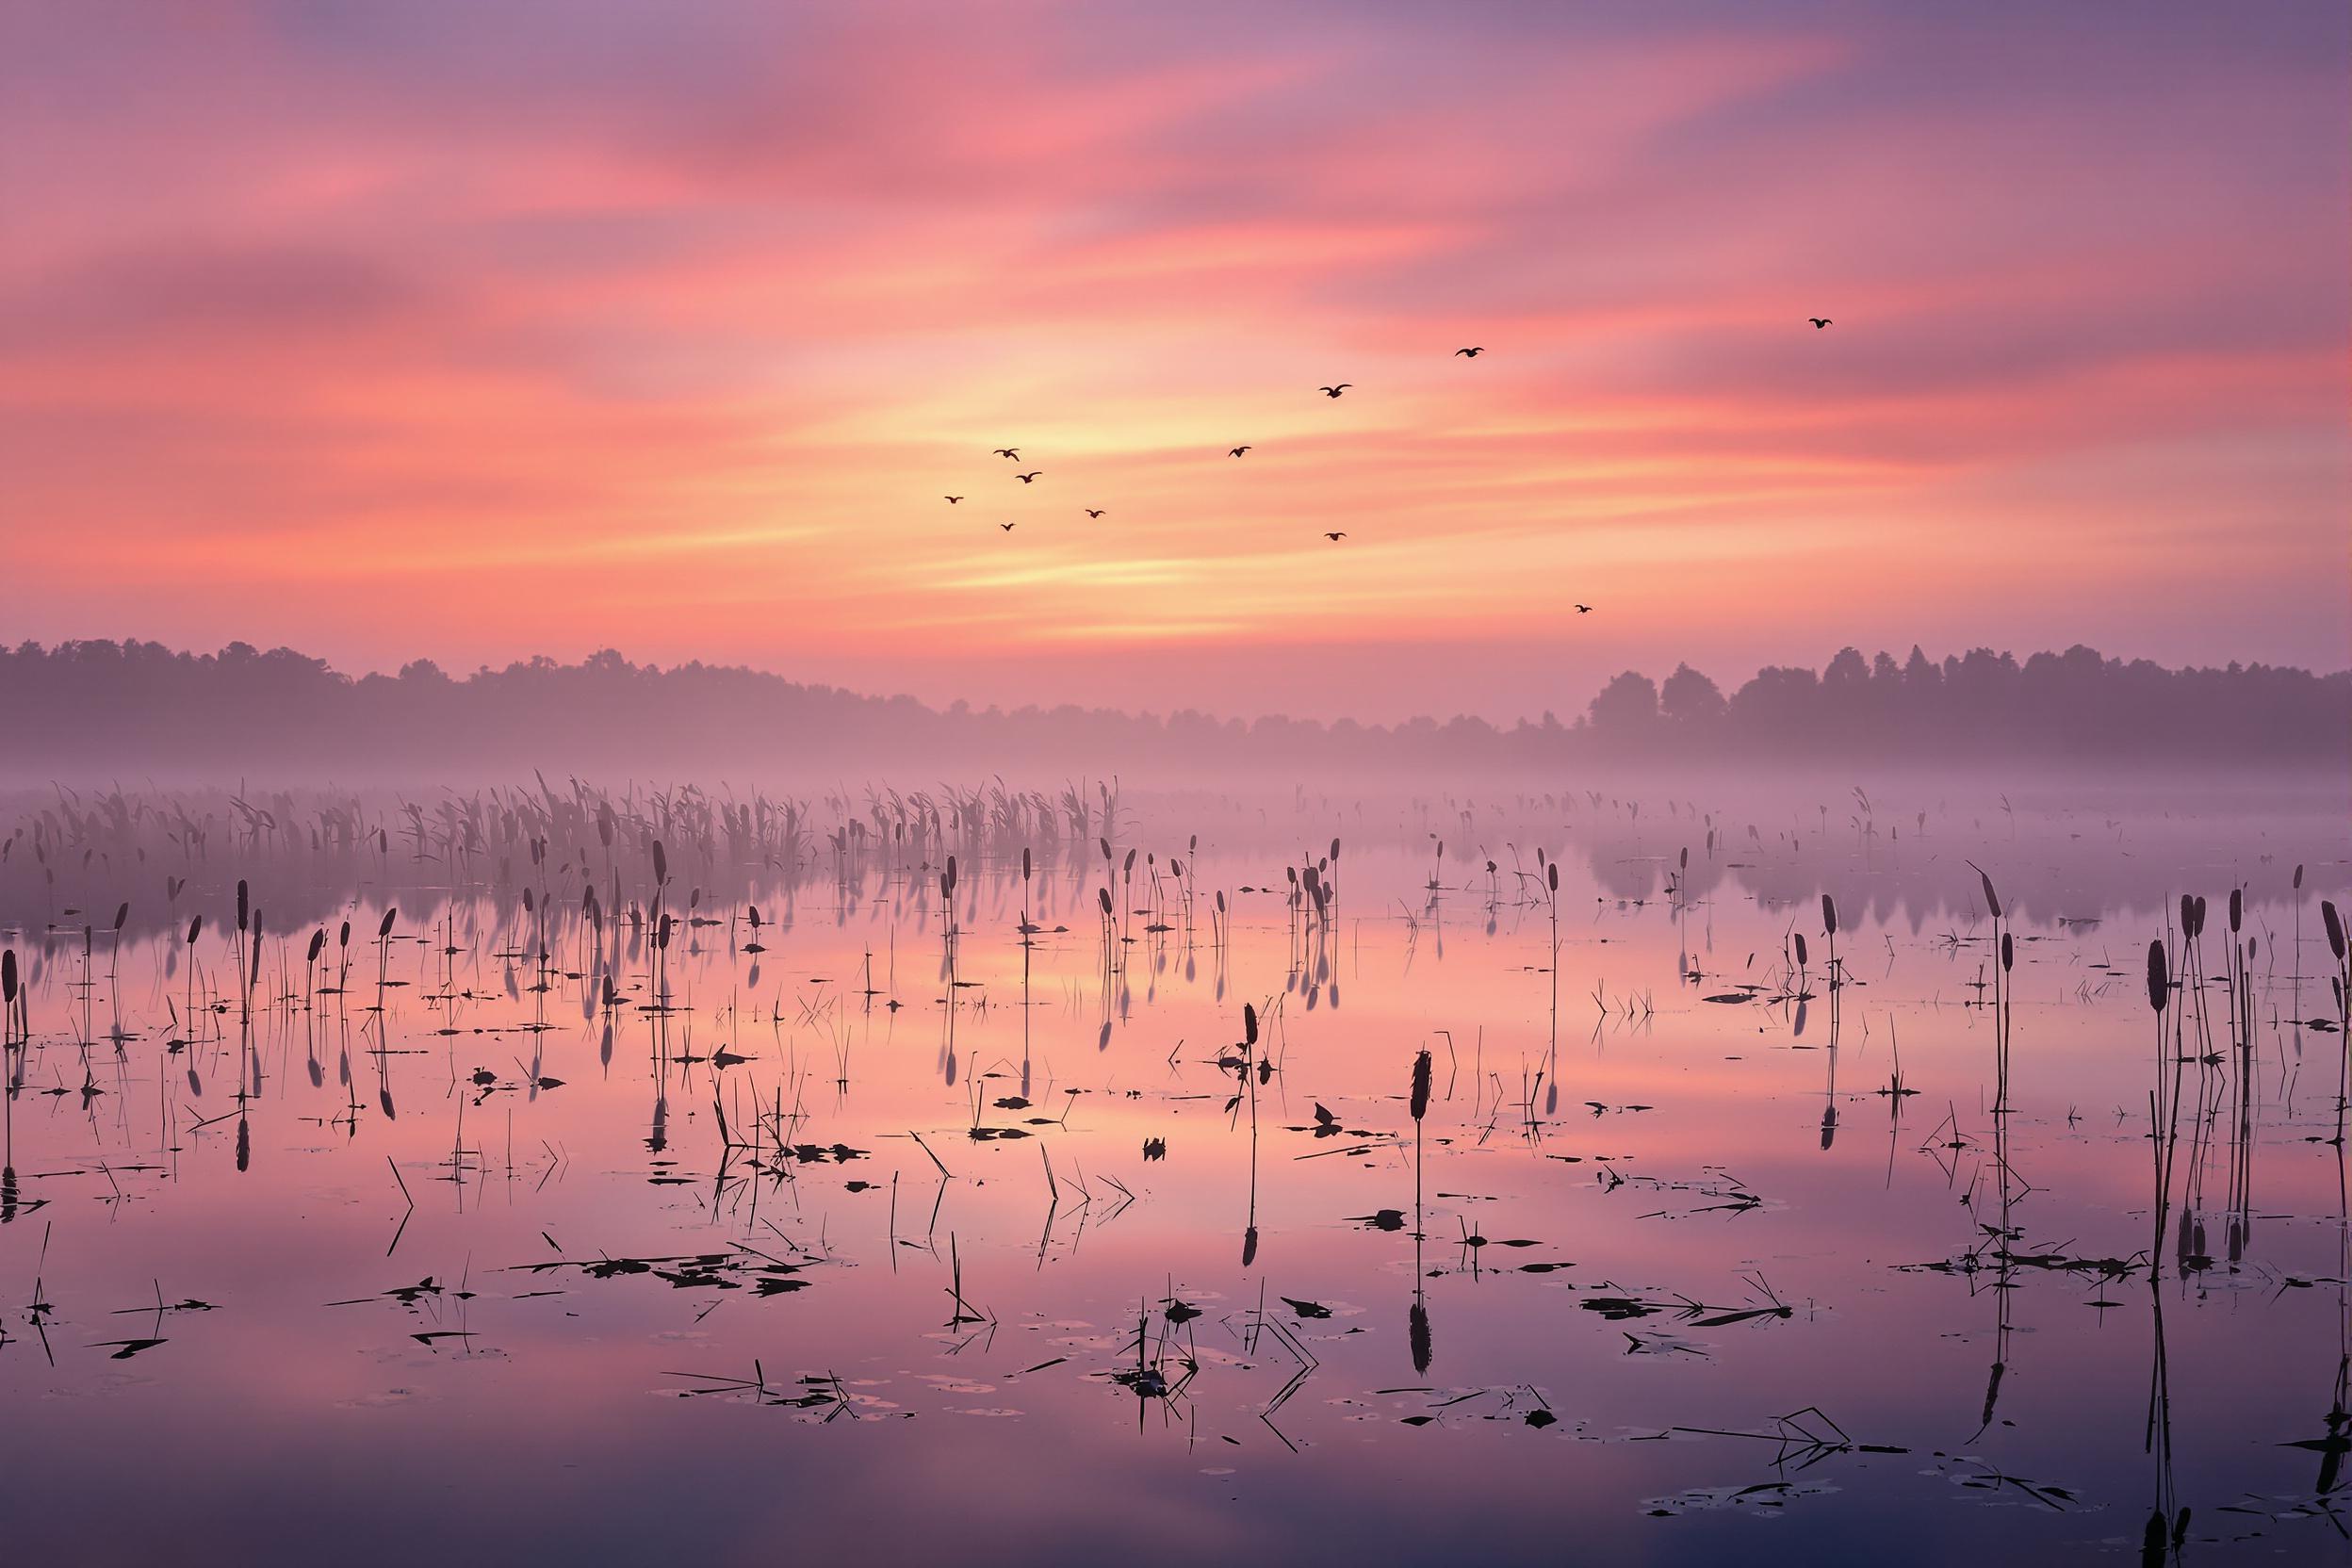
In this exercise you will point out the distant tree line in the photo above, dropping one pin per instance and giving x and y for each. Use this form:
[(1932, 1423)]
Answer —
[(100, 709), (2074, 703)]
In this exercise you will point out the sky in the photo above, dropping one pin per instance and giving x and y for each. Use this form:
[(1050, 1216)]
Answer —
[(482, 329)]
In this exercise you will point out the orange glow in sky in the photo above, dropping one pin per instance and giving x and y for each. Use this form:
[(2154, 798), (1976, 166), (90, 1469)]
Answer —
[(478, 331)]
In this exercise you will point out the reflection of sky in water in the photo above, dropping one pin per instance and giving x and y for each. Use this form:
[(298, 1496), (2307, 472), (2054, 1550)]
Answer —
[(1681, 1160)]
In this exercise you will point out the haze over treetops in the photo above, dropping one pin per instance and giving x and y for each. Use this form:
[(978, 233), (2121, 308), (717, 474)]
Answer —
[(88, 710)]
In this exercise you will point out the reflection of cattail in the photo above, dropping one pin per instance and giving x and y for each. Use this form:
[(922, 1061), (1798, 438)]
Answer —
[(1418, 1329)]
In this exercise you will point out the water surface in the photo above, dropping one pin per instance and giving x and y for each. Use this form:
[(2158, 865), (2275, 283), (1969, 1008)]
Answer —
[(885, 1227)]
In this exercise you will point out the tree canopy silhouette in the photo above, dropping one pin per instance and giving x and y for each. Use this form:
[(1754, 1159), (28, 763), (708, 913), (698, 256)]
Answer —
[(135, 707)]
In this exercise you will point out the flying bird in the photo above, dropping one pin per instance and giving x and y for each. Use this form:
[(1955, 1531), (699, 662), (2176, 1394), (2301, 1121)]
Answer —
[(1819, 321), (1029, 478), (953, 499), (1094, 512), (1238, 451), (1584, 610), (1335, 538), (1335, 391), (1013, 452), (1007, 526), (1469, 354)]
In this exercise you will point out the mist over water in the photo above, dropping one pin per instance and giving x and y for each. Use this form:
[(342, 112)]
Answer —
[(779, 1189)]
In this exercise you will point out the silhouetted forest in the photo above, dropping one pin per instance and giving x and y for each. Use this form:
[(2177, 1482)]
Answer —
[(139, 708)]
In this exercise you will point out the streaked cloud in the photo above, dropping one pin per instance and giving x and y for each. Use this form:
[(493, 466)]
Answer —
[(490, 329)]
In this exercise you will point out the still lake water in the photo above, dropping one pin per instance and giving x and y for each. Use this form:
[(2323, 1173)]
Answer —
[(530, 1239)]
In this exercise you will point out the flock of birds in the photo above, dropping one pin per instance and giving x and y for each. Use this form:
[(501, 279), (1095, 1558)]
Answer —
[(1334, 535)]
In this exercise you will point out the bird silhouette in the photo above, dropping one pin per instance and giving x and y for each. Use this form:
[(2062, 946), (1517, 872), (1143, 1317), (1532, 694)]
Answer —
[(1013, 452), (1819, 321), (1007, 526), (953, 499), (1094, 512), (1029, 478), (1584, 610), (1238, 451), (1335, 538), (1469, 354), (1335, 391)]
